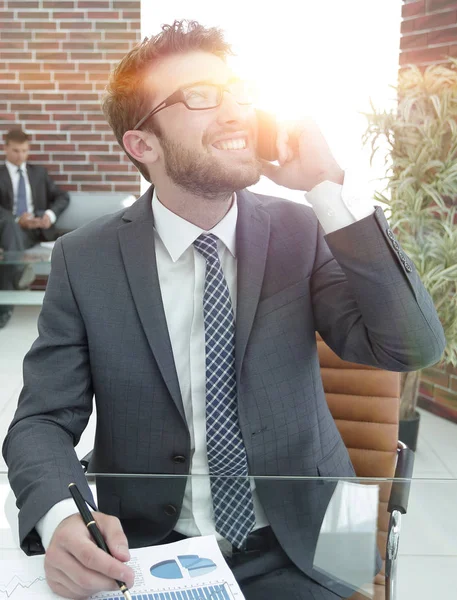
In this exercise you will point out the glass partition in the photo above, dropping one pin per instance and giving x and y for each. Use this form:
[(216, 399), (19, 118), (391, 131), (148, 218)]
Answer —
[(336, 530)]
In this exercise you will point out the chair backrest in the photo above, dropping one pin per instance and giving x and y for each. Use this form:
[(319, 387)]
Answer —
[(364, 401)]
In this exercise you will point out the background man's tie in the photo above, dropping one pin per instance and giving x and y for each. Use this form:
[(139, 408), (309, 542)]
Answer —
[(232, 498), (21, 201)]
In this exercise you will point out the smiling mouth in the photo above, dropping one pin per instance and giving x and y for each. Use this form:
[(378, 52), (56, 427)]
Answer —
[(236, 144)]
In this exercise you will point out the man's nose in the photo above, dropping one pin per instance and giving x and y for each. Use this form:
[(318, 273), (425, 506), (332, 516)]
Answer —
[(230, 110)]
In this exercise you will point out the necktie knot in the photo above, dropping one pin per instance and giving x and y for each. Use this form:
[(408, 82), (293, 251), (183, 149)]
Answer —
[(206, 244)]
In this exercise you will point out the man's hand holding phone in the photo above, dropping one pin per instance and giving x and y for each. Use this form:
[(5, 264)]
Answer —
[(304, 157)]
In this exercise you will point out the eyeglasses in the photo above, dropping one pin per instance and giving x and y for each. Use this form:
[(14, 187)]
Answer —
[(202, 96)]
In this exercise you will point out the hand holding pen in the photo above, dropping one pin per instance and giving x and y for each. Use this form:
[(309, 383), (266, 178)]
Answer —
[(76, 568), (94, 530)]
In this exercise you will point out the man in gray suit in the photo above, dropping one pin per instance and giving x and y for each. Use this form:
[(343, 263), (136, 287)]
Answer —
[(30, 203), (140, 312)]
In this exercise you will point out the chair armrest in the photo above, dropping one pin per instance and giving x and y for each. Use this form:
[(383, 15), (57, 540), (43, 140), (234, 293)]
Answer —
[(398, 506), (399, 494)]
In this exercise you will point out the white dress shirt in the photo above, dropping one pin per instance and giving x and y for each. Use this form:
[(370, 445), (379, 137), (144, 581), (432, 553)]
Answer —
[(14, 175), (181, 271)]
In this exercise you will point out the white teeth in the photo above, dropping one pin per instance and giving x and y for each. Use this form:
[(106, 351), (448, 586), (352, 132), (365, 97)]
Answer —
[(238, 144)]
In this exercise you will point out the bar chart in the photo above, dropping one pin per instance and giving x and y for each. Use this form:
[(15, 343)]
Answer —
[(207, 592)]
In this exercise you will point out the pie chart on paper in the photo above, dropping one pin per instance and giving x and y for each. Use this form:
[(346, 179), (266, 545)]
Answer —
[(187, 564)]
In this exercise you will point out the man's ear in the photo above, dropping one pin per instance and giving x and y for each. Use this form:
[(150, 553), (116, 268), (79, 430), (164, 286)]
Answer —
[(141, 146)]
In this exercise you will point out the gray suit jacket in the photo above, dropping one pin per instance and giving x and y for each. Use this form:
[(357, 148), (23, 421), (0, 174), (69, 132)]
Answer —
[(102, 331)]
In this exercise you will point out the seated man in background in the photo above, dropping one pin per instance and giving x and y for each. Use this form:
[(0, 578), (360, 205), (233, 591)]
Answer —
[(30, 203), (191, 316)]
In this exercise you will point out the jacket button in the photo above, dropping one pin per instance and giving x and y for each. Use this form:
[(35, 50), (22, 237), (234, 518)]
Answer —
[(408, 267), (390, 234), (170, 510), (396, 245), (179, 459)]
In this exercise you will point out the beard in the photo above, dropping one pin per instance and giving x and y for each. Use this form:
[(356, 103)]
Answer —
[(206, 175)]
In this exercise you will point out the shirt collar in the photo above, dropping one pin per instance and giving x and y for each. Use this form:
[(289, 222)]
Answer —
[(177, 234), (13, 168)]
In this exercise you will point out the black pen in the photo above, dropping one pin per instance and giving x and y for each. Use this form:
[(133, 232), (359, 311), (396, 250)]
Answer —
[(94, 530)]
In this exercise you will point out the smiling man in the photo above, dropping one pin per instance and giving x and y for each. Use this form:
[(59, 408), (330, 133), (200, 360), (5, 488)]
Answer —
[(192, 318)]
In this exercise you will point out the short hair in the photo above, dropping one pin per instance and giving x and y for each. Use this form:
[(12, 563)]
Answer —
[(127, 99), (16, 135)]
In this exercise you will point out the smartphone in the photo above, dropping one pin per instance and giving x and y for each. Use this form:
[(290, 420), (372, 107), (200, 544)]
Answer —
[(266, 136)]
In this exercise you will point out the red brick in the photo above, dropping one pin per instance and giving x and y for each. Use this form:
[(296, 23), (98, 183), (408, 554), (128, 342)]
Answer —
[(86, 137), (81, 46), (423, 56), (5, 75), (63, 106), (106, 4), (120, 35), (71, 187), (60, 66), (439, 4), (442, 36), (436, 20), (133, 188), (68, 117), (9, 96), (10, 45), (92, 148), (40, 46), (40, 24), (31, 76), (62, 56), (41, 126), (24, 4), (58, 5), (109, 15), (115, 46), (119, 168), (99, 187), (134, 25), (131, 14), (33, 86), (7, 117), (101, 127), (105, 158), (79, 168), (82, 97), (435, 376), (47, 35), (58, 137), (59, 147), (68, 15), (4, 14), (123, 178), (13, 35), (413, 41), (97, 116), (79, 36), (114, 57), (70, 77), (67, 157), (408, 26), (54, 96), (13, 86), (86, 177), (72, 25), (413, 8), (35, 116), (16, 56), (65, 85), (10, 25), (27, 107), (33, 15), (29, 66), (75, 127), (106, 25)]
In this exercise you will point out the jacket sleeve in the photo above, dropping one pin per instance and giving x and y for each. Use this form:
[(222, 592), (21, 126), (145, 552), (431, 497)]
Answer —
[(369, 303), (57, 200), (53, 410)]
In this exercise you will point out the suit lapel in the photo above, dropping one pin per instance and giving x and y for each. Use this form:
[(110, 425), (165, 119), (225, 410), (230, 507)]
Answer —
[(252, 239), (136, 239), (5, 176)]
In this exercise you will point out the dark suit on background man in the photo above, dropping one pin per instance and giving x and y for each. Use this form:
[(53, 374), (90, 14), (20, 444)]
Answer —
[(103, 300)]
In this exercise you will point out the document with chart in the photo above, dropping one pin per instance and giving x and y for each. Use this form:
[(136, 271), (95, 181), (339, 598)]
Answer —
[(192, 569)]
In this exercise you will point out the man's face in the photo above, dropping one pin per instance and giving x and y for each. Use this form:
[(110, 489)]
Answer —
[(206, 152), (17, 152)]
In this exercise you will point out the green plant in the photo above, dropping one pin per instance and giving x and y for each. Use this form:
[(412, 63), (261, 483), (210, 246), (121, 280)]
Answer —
[(421, 190)]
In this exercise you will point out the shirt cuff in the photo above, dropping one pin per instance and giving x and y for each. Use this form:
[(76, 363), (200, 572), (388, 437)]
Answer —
[(52, 215), (47, 525), (337, 206)]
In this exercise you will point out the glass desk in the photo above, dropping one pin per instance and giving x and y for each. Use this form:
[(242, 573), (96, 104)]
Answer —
[(339, 546), (40, 259)]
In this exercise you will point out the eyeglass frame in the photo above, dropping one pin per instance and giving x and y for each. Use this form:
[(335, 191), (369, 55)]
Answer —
[(178, 96)]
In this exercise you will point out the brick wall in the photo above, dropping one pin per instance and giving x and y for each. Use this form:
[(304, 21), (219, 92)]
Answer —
[(429, 31), (429, 35), (55, 57)]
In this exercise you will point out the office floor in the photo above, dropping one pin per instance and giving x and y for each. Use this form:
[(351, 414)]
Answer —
[(428, 547)]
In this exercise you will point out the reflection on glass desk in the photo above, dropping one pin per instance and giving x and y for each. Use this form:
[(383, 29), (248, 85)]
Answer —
[(346, 538), (39, 258)]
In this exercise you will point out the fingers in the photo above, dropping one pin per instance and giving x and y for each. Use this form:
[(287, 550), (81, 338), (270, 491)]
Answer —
[(114, 536)]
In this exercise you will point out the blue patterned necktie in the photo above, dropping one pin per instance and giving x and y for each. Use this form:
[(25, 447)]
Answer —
[(231, 493), (21, 201)]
